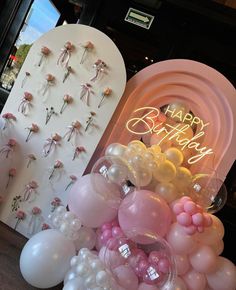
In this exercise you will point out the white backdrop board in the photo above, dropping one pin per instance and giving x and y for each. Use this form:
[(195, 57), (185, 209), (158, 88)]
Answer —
[(113, 76)]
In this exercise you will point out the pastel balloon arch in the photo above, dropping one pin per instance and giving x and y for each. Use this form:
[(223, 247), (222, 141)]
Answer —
[(207, 93)]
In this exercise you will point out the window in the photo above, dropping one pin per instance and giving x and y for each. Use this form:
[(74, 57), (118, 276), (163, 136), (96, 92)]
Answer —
[(42, 17)]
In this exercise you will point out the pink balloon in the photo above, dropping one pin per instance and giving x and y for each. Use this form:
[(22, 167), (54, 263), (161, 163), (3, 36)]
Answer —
[(211, 234), (91, 208), (203, 259), (195, 280), (144, 211), (144, 286), (180, 242), (126, 277), (178, 284), (182, 264), (224, 278), (219, 225), (218, 247)]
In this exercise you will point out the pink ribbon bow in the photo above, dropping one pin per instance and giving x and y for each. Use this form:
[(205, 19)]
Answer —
[(30, 189), (8, 148), (65, 54), (50, 144), (85, 92)]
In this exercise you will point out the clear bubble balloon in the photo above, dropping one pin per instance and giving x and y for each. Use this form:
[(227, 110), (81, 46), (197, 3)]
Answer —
[(209, 191), (151, 264), (115, 149)]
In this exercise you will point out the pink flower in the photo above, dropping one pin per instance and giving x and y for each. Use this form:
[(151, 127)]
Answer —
[(9, 116), (73, 178), (67, 99), (32, 157), (50, 78), (45, 227), (28, 96), (33, 184), (20, 215), (76, 124), (33, 129), (12, 172), (107, 91), (36, 210), (68, 45), (12, 143), (58, 164), (56, 201), (88, 45), (77, 151), (56, 137), (45, 50)]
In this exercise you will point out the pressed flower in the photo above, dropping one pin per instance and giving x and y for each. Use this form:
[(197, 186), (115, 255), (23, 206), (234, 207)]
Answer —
[(20, 216), (73, 179), (87, 46), (33, 129), (31, 158), (57, 165), (67, 99), (107, 92), (11, 175)]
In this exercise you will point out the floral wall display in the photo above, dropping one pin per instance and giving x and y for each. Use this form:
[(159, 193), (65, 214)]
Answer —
[(60, 105)]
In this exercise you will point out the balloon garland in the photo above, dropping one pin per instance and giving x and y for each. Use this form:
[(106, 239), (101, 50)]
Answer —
[(139, 221)]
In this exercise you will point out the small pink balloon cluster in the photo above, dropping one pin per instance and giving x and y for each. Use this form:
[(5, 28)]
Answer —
[(110, 232), (190, 215)]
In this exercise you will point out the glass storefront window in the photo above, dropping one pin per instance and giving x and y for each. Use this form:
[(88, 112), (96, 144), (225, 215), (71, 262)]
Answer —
[(42, 17)]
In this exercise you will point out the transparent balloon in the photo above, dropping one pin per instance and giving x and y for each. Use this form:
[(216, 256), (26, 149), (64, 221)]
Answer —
[(151, 264), (117, 173), (209, 191)]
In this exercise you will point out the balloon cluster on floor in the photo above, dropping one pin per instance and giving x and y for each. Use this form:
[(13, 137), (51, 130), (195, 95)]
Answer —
[(135, 223)]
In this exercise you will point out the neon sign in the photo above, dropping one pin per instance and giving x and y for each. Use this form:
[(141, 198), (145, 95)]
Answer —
[(146, 125)]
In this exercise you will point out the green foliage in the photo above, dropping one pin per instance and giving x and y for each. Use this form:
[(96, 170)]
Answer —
[(22, 52)]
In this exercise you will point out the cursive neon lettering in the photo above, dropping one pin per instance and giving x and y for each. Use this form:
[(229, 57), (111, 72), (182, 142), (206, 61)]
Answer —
[(146, 124)]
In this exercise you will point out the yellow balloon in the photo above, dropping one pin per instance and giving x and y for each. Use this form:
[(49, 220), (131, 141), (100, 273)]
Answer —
[(174, 155), (167, 191), (165, 171), (183, 179)]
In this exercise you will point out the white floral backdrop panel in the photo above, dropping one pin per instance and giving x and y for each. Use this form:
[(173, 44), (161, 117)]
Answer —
[(102, 67)]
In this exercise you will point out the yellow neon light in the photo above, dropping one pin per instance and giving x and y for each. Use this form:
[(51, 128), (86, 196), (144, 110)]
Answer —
[(145, 124)]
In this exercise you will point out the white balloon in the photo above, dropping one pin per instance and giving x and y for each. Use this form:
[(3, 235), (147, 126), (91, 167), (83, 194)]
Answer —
[(74, 261), (57, 221), (45, 259), (82, 269), (60, 209), (75, 224), (68, 216), (115, 149), (71, 274), (75, 284), (90, 281), (102, 278), (64, 228)]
